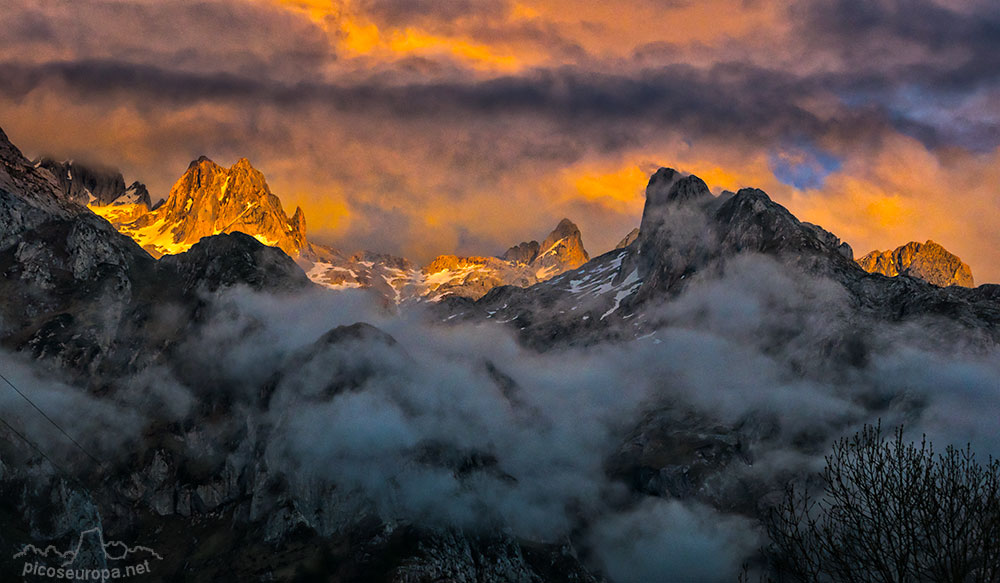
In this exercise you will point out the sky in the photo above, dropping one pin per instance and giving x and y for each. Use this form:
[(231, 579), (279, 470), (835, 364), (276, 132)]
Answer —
[(422, 127)]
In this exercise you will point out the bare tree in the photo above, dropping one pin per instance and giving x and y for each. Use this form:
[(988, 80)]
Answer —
[(890, 512)]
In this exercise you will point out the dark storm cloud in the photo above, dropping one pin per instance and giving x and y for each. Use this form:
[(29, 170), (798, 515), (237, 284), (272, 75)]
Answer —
[(252, 54), (895, 50), (731, 100), (858, 28), (206, 36)]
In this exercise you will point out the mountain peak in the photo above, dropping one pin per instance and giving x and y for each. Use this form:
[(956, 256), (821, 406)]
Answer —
[(523, 253), (670, 186), (562, 249), (928, 261), (210, 200), (243, 164), (565, 229), (96, 186), (200, 161)]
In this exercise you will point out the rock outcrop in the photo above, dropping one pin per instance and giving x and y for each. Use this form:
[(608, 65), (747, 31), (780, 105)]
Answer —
[(927, 261), (95, 186)]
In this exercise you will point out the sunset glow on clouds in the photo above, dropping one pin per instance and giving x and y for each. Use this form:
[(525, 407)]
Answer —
[(421, 127)]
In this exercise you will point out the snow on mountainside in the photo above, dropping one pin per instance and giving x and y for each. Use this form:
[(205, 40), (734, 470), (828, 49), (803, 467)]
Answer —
[(451, 276)]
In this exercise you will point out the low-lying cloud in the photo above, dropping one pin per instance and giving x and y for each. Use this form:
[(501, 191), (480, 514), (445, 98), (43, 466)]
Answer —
[(458, 425)]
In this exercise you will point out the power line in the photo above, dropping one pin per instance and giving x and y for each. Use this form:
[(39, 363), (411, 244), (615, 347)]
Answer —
[(36, 448), (50, 420)]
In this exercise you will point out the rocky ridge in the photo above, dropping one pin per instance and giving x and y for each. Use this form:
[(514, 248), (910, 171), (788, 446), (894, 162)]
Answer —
[(687, 235), (927, 261), (472, 277), (94, 186), (209, 199)]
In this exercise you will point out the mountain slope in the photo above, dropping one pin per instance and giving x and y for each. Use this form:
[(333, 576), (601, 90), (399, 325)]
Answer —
[(80, 293), (927, 261)]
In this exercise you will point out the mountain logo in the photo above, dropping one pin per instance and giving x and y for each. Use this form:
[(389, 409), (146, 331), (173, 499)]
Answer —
[(90, 559)]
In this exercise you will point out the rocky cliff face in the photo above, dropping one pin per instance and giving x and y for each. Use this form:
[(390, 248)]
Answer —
[(94, 186), (927, 261), (210, 200)]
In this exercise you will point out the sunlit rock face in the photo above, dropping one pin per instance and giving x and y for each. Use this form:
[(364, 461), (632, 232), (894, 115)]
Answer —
[(561, 251), (927, 261), (524, 264), (94, 186), (210, 200)]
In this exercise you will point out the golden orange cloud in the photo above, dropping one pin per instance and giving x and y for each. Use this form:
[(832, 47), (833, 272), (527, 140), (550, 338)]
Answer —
[(604, 30), (355, 34)]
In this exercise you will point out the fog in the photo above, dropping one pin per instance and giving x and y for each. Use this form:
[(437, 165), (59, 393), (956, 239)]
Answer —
[(457, 425)]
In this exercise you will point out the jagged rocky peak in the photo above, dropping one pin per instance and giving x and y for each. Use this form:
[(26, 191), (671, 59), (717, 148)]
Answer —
[(684, 227), (675, 226), (670, 186), (210, 200), (94, 185), (137, 193), (928, 261), (668, 195), (524, 252), (562, 249)]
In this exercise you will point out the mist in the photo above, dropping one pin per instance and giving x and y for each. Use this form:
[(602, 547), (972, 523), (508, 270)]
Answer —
[(458, 425), (411, 419)]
